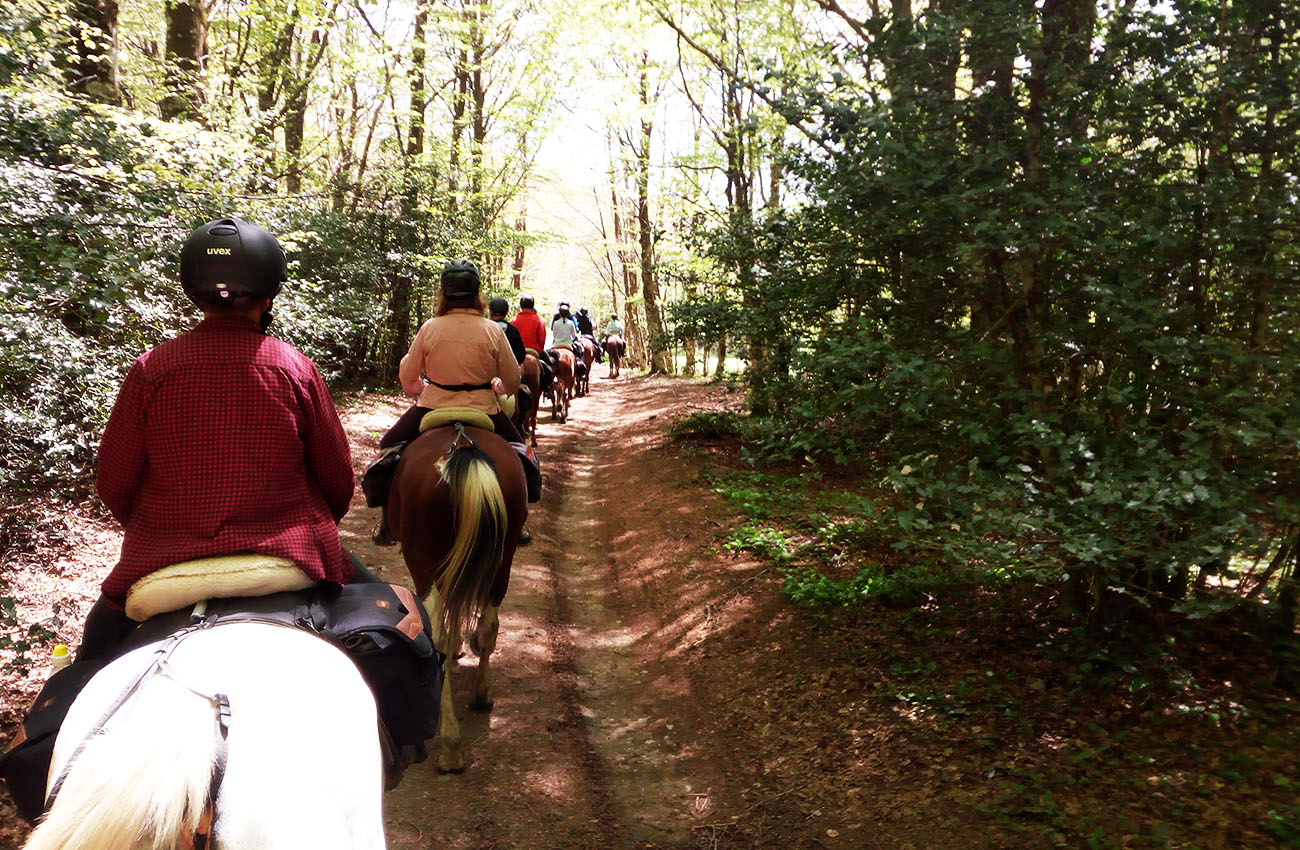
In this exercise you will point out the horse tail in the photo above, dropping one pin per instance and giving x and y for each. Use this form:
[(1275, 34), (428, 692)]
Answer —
[(144, 782), (479, 520)]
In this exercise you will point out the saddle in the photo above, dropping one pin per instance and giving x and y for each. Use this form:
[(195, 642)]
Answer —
[(379, 475)]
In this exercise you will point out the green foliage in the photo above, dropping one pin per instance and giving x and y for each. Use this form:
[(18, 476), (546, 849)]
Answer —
[(712, 425), (18, 643), (1284, 825), (771, 543), (808, 587), (1063, 335), (94, 205)]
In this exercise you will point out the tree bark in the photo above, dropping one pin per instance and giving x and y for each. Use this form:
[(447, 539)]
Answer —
[(186, 53), (517, 269), (658, 355), (90, 68)]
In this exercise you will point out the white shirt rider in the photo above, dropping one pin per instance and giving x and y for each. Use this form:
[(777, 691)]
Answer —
[(563, 333)]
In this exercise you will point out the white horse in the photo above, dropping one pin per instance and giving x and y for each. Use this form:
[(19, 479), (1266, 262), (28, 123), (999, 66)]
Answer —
[(302, 762)]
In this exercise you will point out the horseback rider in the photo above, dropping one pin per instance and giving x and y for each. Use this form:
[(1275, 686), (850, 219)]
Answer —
[(457, 359), (222, 440), (497, 308), (585, 328), (613, 326), (564, 331), (583, 321), (532, 330)]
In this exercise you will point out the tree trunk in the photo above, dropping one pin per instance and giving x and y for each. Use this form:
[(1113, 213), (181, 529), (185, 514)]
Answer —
[(658, 356), (517, 268), (186, 53), (459, 101), (691, 293), (296, 121), (90, 68)]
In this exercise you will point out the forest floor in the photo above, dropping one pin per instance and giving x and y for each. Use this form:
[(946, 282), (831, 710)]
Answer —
[(655, 689)]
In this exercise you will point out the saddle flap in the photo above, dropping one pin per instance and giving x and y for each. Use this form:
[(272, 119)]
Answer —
[(447, 415), (182, 585)]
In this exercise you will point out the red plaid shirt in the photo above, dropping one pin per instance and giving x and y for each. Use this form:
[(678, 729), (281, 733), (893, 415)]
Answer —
[(225, 440)]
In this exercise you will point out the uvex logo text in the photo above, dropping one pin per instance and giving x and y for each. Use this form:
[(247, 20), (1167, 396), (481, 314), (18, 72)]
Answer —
[(224, 251)]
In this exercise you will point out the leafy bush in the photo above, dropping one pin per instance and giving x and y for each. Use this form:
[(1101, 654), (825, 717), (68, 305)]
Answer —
[(771, 543), (721, 425), (1065, 339)]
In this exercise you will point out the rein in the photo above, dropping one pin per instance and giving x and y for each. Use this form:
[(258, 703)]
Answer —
[(220, 703), (461, 435)]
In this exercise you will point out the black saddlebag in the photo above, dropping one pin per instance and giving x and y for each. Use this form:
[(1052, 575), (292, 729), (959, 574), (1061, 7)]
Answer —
[(26, 764)]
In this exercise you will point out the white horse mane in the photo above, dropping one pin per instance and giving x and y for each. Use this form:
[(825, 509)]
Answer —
[(295, 703)]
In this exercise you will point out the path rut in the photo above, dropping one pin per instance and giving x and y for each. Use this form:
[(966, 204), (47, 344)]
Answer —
[(573, 755)]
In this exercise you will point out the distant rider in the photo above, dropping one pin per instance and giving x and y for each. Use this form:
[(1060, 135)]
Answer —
[(564, 332), (457, 359), (585, 327)]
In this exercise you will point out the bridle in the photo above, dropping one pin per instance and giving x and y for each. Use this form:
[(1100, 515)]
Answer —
[(221, 706)]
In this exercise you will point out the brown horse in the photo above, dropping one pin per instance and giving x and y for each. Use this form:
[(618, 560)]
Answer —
[(532, 369), (615, 347), (588, 355), (457, 504), (564, 380)]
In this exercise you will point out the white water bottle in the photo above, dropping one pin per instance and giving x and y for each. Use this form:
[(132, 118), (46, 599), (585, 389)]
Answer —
[(60, 657)]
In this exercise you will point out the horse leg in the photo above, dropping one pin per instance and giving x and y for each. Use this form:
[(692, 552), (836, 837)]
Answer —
[(484, 643), (451, 757)]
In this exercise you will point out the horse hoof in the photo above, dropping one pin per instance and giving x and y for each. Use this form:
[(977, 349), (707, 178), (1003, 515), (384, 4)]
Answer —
[(443, 769), (482, 705)]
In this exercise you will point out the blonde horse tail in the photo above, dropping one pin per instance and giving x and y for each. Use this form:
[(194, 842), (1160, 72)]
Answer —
[(143, 782), (479, 519)]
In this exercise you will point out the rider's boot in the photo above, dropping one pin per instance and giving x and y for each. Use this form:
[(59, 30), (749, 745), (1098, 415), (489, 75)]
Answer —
[(382, 536)]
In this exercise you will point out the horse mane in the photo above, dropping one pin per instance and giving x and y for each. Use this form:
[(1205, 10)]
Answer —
[(137, 787)]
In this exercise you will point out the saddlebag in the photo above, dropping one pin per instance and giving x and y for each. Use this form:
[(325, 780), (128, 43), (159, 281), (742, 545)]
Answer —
[(386, 632), (26, 764), (378, 476)]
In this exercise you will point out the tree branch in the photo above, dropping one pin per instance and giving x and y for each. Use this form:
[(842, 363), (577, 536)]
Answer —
[(739, 80)]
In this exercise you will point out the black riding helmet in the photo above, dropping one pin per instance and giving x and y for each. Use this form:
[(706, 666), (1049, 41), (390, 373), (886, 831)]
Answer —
[(460, 278), (498, 306), (526, 302), (230, 257)]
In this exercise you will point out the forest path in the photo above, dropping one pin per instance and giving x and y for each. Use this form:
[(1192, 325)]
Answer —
[(578, 752)]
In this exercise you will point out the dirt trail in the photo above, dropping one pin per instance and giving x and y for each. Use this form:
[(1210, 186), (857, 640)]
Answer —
[(579, 751)]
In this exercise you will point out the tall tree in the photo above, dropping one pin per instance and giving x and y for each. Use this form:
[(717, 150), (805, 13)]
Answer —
[(656, 339), (90, 67), (185, 56)]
